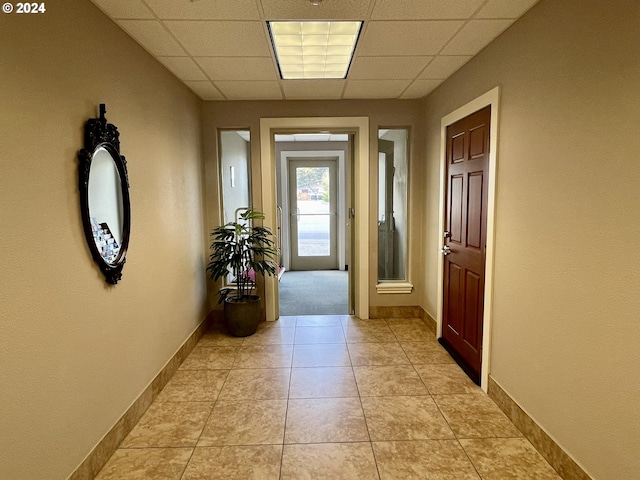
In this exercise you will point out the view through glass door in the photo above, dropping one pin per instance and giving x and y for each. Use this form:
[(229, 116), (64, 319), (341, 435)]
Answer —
[(313, 203)]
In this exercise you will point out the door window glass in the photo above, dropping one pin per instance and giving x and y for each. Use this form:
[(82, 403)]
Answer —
[(313, 215), (236, 168), (393, 176), (235, 176)]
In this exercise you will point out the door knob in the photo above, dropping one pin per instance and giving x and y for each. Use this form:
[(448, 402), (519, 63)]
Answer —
[(445, 250)]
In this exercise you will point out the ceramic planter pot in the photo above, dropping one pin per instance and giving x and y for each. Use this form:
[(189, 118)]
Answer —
[(242, 316)]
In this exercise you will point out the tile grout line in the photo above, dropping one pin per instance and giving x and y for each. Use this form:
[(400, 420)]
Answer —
[(457, 439), (186, 465), (364, 416), (236, 350), (235, 357), (286, 410), (446, 421)]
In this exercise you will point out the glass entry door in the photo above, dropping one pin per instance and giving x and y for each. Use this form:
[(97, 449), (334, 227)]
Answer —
[(314, 219)]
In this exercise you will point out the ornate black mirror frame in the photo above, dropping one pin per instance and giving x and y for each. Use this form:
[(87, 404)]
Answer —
[(99, 134)]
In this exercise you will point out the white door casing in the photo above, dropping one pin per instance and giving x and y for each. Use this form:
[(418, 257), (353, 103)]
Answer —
[(359, 126), (491, 98), (285, 156), (313, 217)]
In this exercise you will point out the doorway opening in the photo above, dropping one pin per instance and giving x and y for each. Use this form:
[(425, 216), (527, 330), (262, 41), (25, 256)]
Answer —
[(313, 172), (358, 208), (467, 171), (489, 99)]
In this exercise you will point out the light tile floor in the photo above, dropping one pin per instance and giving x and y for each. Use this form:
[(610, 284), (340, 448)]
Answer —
[(316, 398)]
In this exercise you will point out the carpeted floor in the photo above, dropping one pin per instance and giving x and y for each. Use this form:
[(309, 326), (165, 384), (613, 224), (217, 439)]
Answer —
[(314, 292)]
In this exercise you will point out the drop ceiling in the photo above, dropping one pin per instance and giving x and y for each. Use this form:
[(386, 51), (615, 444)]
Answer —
[(221, 49)]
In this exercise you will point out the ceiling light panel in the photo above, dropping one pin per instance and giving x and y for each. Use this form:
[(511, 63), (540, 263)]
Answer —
[(308, 50)]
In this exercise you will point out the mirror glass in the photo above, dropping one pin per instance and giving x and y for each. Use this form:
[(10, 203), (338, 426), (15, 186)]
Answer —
[(235, 178), (235, 162), (393, 176), (105, 205)]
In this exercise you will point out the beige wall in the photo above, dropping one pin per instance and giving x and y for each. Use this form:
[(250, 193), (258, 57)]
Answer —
[(387, 113), (74, 351), (566, 317)]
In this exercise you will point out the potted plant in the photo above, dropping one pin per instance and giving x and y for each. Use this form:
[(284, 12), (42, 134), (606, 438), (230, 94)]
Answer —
[(242, 249)]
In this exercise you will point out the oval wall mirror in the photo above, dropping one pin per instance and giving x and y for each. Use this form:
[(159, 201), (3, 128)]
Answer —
[(104, 196)]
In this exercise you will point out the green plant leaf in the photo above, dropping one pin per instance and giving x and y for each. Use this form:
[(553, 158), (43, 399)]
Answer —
[(239, 247)]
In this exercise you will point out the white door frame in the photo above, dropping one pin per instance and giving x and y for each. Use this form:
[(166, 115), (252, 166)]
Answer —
[(284, 189), (360, 256), (313, 262), (491, 98)]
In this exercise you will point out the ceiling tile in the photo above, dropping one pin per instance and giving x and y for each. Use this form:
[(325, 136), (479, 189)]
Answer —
[(153, 37), (130, 9), (225, 43), (475, 35), (261, 90), (328, 10), (505, 8), (421, 88), (375, 88), (205, 90), (221, 39), (424, 9), (387, 68), (238, 68), (205, 9), (444, 66), (313, 89), (409, 38), (183, 67)]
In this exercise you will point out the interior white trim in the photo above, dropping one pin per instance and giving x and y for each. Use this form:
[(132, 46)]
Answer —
[(492, 98), (389, 286), (360, 256)]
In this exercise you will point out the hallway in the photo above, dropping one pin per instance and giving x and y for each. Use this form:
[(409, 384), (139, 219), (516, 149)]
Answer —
[(324, 397)]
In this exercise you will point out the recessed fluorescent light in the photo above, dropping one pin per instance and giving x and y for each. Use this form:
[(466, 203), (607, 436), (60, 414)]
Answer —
[(306, 50)]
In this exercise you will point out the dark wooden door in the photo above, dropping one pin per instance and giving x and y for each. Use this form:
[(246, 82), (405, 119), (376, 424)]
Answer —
[(465, 235)]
